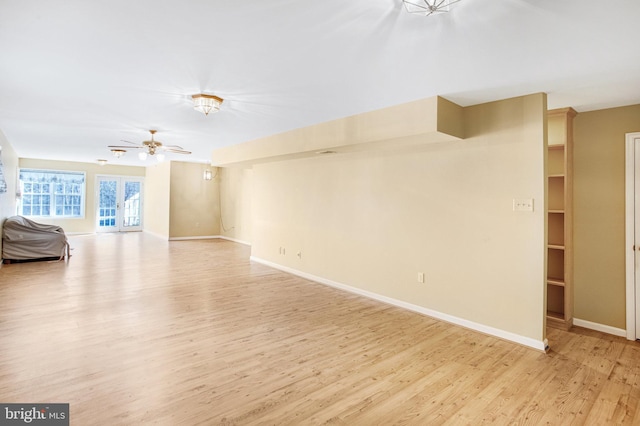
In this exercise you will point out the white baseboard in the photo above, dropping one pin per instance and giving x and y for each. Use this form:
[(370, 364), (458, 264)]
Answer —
[(196, 237), (600, 327), (235, 240), (209, 237), (502, 334), (164, 237)]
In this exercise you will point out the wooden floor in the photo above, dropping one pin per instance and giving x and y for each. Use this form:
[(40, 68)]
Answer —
[(136, 330)]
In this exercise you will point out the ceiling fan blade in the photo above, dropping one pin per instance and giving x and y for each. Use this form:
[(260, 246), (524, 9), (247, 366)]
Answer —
[(178, 151), (124, 146), (132, 143), (165, 147)]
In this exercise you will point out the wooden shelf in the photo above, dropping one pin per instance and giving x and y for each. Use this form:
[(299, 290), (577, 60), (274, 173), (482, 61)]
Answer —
[(556, 199), (559, 171), (555, 281), (556, 320), (555, 315)]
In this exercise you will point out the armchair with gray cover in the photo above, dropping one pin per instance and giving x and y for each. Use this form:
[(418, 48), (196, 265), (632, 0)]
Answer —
[(24, 239)]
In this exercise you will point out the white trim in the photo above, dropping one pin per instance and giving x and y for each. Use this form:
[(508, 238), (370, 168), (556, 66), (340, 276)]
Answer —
[(155, 234), (600, 327), (630, 234), (246, 243), (209, 237), (502, 334), (200, 237), (121, 182), (83, 210)]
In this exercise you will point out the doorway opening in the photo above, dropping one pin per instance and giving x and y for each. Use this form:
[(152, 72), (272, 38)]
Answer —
[(632, 234)]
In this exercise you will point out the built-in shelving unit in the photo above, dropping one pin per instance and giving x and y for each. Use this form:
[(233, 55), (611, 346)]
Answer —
[(560, 218)]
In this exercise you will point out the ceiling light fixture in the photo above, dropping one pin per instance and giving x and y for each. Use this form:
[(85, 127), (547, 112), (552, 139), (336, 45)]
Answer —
[(101, 161), (118, 152), (144, 155), (206, 103), (152, 147), (428, 7)]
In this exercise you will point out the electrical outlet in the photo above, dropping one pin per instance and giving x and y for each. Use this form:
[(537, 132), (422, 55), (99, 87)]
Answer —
[(523, 204), (421, 277)]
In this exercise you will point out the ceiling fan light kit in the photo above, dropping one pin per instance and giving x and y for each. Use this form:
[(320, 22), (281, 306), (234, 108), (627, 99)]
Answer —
[(201, 102), (206, 103), (152, 147), (428, 7)]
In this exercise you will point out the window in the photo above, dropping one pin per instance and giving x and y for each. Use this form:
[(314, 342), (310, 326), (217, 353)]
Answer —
[(51, 193)]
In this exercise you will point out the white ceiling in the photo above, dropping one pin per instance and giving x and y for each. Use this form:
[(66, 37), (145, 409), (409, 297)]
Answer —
[(78, 75)]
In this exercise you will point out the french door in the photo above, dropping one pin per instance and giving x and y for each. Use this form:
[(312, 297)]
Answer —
[(119, 203)]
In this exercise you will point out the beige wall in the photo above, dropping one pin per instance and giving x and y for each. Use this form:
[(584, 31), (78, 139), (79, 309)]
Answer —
[(429, 120), (599, 208), (235, 209), (194, 202), (157, 199), (178, 202), (10, 172), (86, 224), (373, 220)]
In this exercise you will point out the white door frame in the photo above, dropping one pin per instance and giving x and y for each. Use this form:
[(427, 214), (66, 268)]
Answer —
[(121, 179), (630, 231)]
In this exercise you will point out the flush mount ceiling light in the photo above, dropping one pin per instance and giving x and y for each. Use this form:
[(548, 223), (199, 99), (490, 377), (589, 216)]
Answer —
[(206, 103), (101, 161), (118, 152), (428, 7)]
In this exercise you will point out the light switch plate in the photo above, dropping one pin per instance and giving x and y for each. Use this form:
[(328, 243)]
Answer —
[(523, 204)]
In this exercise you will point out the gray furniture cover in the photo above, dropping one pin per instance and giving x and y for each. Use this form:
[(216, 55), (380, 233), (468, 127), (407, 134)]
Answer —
[(24, 239)]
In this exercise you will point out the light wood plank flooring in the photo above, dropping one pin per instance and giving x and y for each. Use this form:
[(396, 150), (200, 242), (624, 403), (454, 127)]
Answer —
[(137, 330)]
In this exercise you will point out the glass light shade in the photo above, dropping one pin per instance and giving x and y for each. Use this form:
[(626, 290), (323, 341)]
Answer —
[(160, 158), (142, 155), (102, 162), (428, 7), (206, 103), (118, 152)]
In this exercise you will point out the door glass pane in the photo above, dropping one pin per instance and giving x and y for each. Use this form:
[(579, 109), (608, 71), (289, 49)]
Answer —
[(107, 208), (131, 204)]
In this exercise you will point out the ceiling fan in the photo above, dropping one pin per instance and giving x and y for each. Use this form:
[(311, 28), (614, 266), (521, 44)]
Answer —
[(151, 147)]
